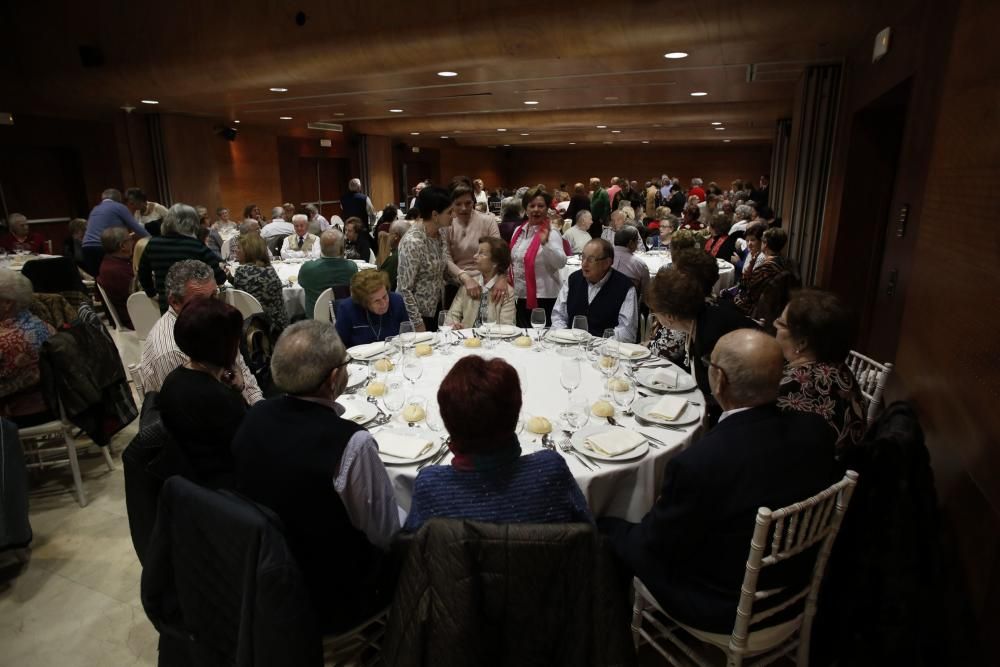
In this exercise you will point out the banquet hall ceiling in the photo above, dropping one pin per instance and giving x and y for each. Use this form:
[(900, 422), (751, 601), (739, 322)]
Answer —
[(585, 63)]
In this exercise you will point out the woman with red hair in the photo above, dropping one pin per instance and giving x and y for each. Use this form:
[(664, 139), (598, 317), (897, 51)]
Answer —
[(489, 480)]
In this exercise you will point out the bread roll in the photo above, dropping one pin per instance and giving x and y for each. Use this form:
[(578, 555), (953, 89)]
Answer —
[(618, 385), (522, 341), (473, 342), (383, 365), (375, 389), (607, 362), (603, 409), (413, 413), (423, 349), (539, 425)]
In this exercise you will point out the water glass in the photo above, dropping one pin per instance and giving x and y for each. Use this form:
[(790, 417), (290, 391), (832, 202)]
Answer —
[(413, 368), (580, 322), (433, 418), (395, 393), (538, 322), (444, 331), (623, 392), (406, 335), (577, 413)]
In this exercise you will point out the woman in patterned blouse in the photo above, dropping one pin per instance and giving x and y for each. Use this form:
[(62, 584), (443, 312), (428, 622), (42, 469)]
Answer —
[(814, 333), (21, 338), (257, 277), (422, 263)]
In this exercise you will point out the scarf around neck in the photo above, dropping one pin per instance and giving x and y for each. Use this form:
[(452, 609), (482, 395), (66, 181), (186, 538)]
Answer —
[(529, 261)]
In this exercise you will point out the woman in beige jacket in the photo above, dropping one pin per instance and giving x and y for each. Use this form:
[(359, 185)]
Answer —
[(492, 261)]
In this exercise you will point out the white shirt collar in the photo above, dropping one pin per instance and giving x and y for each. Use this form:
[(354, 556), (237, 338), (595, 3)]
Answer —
[(728, 413)]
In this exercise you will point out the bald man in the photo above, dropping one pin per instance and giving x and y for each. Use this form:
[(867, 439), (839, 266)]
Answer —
[(330, 270), (691, 549)]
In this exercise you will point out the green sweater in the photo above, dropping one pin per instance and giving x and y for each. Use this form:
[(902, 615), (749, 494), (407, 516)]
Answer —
[(600, 206), (390, 266), (319, 274)]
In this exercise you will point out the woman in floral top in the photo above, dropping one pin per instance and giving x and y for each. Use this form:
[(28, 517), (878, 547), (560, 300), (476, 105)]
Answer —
[(21, 338), (814, 331), (422, 263), (257, 277)]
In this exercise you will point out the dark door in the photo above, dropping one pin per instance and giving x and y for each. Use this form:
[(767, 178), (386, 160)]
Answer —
[(322, 181)]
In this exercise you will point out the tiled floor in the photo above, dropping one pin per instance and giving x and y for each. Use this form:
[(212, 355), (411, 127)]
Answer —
[(76, 602)]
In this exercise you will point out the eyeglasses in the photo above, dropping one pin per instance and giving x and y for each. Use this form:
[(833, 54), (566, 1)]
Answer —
[(586, 258), (706, 359)]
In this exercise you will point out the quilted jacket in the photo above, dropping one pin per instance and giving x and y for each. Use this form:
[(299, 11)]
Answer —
[(520, 595)]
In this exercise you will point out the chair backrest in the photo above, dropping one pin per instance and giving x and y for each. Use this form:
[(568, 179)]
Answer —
[(133, 371), (793, 530), (274, 243), (774, 297), (226, 246), (112, 313), (871, 377), (244, 302), (321, 311), (144, 311), (53, 275)]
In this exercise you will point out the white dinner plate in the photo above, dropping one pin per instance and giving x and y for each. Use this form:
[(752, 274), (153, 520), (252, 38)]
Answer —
[(356, 374), (579, 445), (685, 382), (568, 336), (690, 415), (499, 331), (396, 461), (359, 412)]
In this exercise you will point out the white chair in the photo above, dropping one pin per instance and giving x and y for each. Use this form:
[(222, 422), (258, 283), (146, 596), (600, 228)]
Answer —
[(359, 645), (321, 311), (144, 311), (39, 442), (244, 302), (126, 340), (224, 250), (371, 257), (793, 530), (872, 378), (133, 371)]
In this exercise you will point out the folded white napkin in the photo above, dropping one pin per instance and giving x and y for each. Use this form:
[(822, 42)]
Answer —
[(417, 337), (615, 442), (629, 350), (402, 446), (501, 329), (666, 377), (567, 335), (367, 351), (668, 408), (352, 413)]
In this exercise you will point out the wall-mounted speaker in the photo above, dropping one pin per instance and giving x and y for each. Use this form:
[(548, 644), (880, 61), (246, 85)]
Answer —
[(228, 133)]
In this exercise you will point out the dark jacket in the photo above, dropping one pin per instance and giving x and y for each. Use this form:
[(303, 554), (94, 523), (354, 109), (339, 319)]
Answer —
[(221, 586), (496, 595), (143, 477), (691, 549), (15, 530)]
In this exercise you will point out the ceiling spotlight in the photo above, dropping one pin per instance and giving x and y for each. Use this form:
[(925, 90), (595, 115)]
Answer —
[(501, 129), (150, 101), (524, 134), (607, 142), (507, 145), (531, 102), (284, 117), (601, 127), (338, 113), (616, 131), (656, 125), (718, 128), (572, 143), (444, 136), (414, 134), (675, 55), (278, 90), (236, 121), (447, 73), (395, 111), (716, 123), (726, 141), (698, 94), (610, 99), (645, 142)]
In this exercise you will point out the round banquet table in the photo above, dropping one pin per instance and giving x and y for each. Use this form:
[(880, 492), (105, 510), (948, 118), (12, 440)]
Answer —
[(16, 261), (657, 259), (623, 489), (293, 294)]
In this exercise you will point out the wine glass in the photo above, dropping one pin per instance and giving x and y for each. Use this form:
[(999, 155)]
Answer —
[(489, 329), (577, 413), (444, 331), (406, 337), (433, 418), (608, 361), (569, 376), (580, 322), (393, 350), (413, 368), (538, 322), (623, 391), (395, 393)]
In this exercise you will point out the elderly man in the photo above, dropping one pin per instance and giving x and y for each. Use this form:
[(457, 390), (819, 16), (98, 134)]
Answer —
[(391, 263), (356, 204), (330, 270), (690, 550), (186, 280), (278, 226), (20, 238), (616, 222), (321, 474), (116, 274), (179, 241), (626, 243), (301, 243), (615, 192), (317, 223), (579, 234), (604, 296), (108, 213), (600, 206)]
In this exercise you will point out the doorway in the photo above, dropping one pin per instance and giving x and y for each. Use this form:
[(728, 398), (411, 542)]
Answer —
[(322, 181), (867, 207)]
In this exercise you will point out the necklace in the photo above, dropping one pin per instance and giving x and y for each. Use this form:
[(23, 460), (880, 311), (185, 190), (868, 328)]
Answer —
[(377, 332)]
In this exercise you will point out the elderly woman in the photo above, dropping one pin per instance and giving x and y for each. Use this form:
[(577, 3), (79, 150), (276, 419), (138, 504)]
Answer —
[(252, 212), (201, 401), (488, 479), (462, 239), (750, 257), (720, 244), (511, 218), (257, 277), (422, 265), (677, 299), (357, 242), (373, 313), (20, 238), (672, 343), (692, 218), (742, 215), (179, 241), (537, 255), (750, 290), (494, 298), (21, 338), (814, 333)]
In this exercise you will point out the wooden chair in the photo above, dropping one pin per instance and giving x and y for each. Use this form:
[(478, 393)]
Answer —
[(144, 311), (244, 302), (872, 378), (793, 531)]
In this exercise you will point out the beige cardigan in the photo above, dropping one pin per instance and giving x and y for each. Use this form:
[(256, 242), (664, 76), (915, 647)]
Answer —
[(464, 309)]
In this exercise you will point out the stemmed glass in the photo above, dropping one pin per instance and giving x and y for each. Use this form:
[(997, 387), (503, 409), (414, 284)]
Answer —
[(580, 322), (569, 378), (407, 337), (393, 350), (444, 330), (623, 391), (608, 361), (395, 394), (413, 368), (489, 322), (538, 322), (577, 413)]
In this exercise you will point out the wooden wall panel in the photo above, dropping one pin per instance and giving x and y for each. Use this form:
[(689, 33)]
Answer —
[(382, 186), (485, 163), (248, 172), (190, 154)]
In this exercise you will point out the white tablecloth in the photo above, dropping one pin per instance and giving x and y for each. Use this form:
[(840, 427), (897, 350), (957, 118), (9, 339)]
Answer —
[(16, 262), (293, 295), (657, 259), (625, 489)]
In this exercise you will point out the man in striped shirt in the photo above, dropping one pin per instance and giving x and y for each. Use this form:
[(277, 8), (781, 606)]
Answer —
[(179, 242)]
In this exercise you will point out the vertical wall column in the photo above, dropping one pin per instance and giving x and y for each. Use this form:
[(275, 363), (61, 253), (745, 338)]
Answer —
[(814, 127), (376, 159), (779, 163), (159, 159)]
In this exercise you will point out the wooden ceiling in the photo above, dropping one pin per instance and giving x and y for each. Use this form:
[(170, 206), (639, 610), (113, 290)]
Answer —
[(585, 63)]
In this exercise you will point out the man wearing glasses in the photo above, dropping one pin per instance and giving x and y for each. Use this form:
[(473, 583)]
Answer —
[(606, 297)]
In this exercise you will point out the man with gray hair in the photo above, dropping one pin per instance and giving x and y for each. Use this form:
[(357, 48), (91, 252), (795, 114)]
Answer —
[(331, 269), (186, 280), (626, 243), (116, 273), (109, 213), (20, 238), (178, 242), (356, 204), (300, 244), (278, 225), (321, 474), (690, 550)]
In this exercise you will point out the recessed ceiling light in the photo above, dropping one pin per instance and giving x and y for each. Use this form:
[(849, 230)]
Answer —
[(600, 127), (447, 73), (284, 117), (525, 134), (675, 55), (414, 134), (716, 123), (236, 121), (501, 129), (608, 142), (726, 141), (278, 90), (338, 113), (699, 94), (572, 143), (656, 125), (610, 99), (645, 142), (506, 145), (718, 128), (395, 111), (531, 102), (616, 131), (150, 101), (444, 136)]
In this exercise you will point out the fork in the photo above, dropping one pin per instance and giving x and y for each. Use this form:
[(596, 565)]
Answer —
[(567, 446), (381, 415), (549, 443), (653, 442)]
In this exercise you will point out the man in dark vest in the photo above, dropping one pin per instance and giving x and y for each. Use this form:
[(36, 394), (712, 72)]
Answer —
[(321, 474), (604, 296)]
